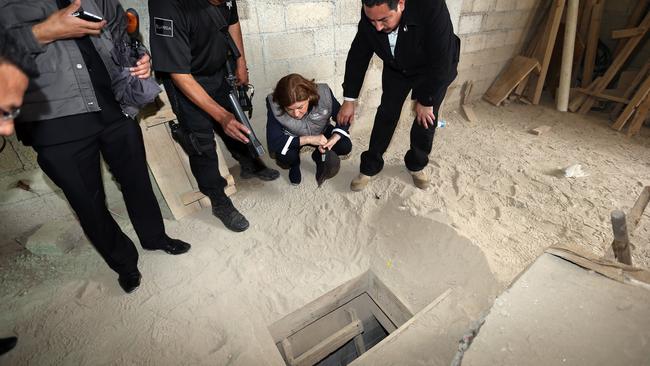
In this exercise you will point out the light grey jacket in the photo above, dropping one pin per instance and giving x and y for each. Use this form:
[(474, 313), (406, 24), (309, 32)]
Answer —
[(63, 87)]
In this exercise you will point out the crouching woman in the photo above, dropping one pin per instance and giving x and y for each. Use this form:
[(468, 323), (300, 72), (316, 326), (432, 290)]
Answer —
[(300, 113)]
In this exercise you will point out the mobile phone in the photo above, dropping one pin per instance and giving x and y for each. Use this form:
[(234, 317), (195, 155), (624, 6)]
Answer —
[(87, 16)]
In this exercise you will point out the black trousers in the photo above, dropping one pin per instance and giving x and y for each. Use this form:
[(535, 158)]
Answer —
[(292, 157), (395, 88), (205, 166), (75, 168)]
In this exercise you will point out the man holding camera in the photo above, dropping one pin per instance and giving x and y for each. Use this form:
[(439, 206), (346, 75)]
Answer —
[(70, 116), (416, 41), (190, 49)]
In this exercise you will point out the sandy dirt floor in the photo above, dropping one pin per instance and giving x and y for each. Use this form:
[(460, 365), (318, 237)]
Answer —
[(498, 199)]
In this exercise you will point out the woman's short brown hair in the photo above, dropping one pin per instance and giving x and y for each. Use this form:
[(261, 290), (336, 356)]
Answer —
[(295, 88)]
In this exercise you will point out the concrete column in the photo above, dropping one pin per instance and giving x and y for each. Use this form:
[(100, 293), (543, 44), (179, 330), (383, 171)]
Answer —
[(567, 56)]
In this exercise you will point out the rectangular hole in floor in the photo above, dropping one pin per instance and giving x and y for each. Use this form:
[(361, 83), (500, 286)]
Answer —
[(341, 325)]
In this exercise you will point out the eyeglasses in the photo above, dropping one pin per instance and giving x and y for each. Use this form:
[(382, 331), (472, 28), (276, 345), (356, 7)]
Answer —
[(7, 115)]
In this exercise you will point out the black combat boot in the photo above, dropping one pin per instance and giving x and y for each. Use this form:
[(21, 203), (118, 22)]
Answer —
[(257, 169), (223, 208)]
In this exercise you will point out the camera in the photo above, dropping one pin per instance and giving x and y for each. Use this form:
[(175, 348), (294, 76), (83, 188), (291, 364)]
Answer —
[(89, 17)]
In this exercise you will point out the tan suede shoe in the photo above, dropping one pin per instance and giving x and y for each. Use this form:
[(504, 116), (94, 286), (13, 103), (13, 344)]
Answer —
[(359, 183), (421, 179)]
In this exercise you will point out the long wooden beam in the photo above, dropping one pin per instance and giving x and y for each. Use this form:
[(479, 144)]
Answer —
[(545, 51), (639, 97), (616, 66), (592, 43), (638, 79)]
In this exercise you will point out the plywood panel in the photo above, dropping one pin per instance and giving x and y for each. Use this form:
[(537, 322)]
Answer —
[(512, 75)]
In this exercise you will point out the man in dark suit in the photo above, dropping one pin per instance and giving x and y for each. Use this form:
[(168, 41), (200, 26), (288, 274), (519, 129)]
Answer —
[(416, 41)]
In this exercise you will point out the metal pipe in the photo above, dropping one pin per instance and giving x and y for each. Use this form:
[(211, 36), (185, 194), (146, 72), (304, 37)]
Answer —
[(567, 55)]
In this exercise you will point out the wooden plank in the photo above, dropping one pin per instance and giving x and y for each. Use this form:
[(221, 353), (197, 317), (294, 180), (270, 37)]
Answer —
[(195, 195), (611, 98), (467, 92), (585, 18), (540, 130), (533, 42), (535, 32), (579, 55), (287, 349), (404, 327), (555, 67), (465, 98), (617, 64), (157, 117), (163, 116), (627, 33), (626, 79), (390, 304), (510, 77), (381, 316), (605, 96), (592, 42), (525, 100), (639, 97), (634, 216), (631, 88), (329, 345), (167, 169), (633, 21), (160, 112), (318, 308), (519, 90), (580, 98), (359, 344), (191, 197), (640, 117), (470, 114), (621, 243), (545, 51)]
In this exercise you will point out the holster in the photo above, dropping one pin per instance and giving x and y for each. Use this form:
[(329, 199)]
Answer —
[(189, 141)]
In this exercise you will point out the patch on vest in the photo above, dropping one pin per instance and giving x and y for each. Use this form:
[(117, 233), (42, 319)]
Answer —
[(164, 27)]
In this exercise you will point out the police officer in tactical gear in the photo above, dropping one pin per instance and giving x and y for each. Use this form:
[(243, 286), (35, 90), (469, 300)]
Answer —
[(189, 51)]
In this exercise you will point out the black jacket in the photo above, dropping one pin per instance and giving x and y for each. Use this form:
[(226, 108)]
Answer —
[(426, 51)]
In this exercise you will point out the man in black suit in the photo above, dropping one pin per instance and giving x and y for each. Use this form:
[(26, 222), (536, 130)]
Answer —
[(416, 41)]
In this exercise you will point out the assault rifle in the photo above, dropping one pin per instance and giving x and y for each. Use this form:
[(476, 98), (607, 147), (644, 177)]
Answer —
[(239, 97)]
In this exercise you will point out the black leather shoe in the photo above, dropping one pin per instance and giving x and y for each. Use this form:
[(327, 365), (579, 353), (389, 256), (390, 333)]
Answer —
[(258, 170), (173, 247), (229, 215), (7, 344), (130, 281)]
